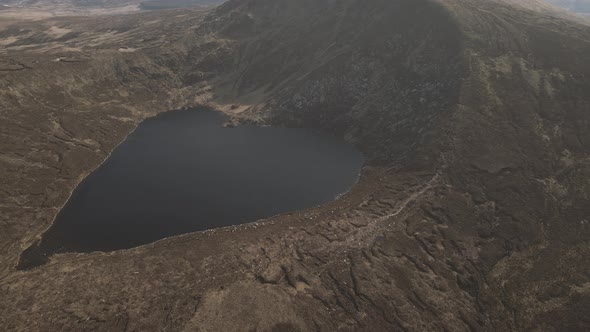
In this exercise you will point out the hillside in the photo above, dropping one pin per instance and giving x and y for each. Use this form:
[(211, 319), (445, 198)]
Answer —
[(472, 212)]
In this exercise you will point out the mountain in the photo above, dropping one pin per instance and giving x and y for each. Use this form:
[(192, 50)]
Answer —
[(472, 212)]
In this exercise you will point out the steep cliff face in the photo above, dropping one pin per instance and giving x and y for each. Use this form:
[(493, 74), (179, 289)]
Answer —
[(472, 211)]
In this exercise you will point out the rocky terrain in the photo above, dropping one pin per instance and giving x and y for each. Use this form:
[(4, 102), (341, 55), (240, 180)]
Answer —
[(472, 212)]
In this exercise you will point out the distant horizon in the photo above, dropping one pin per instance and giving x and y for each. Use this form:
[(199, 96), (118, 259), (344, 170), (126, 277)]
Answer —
[(576, 6)]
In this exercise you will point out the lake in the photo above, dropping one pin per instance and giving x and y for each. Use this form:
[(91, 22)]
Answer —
[(182, 171)]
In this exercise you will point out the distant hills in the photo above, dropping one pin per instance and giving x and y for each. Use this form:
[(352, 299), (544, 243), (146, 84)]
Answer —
[(76, 3), (578, 6), (168, 4), (147, 5)]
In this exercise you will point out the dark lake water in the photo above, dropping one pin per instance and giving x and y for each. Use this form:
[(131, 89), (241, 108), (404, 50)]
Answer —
[(182, 172)]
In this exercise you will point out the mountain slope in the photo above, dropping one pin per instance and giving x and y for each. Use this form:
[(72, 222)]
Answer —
[(471, 213)]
